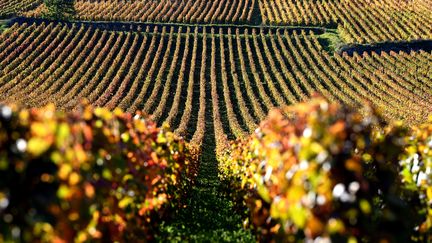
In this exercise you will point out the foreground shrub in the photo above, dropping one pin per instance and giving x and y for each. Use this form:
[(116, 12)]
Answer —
[(417, 175), (87, 175), (318, 171)]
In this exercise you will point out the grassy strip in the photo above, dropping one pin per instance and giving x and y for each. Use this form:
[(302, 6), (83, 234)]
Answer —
[(331, 41), (4, 24)]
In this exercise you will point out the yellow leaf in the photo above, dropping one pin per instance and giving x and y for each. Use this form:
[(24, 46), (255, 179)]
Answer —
[(64, 171), (173, 177), (74, 178), (56, 157), (62, 134), (429, 193), (125, 202), (40, 129), (37, 146), (335, 226), (127, 177), (161, 138), (107, 174), (365, 206), (80, 154), (63, 192), (24, 116), (298, 215), (98, 124), (352, 240), (125, 137), (118, 112)]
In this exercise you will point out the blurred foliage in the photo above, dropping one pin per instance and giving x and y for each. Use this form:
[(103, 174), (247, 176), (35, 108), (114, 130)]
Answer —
[(86, 175), (417, 175), (319, 171)]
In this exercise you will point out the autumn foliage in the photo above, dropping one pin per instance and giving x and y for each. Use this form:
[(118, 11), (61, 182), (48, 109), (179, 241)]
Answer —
[(319, 171), (417, 173), (87, 175)]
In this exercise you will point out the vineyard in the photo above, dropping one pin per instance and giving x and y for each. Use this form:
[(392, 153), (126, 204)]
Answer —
[(225, 120), (12, 7), (317, 170), (220, 11), (358, 21), (255, 71)]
